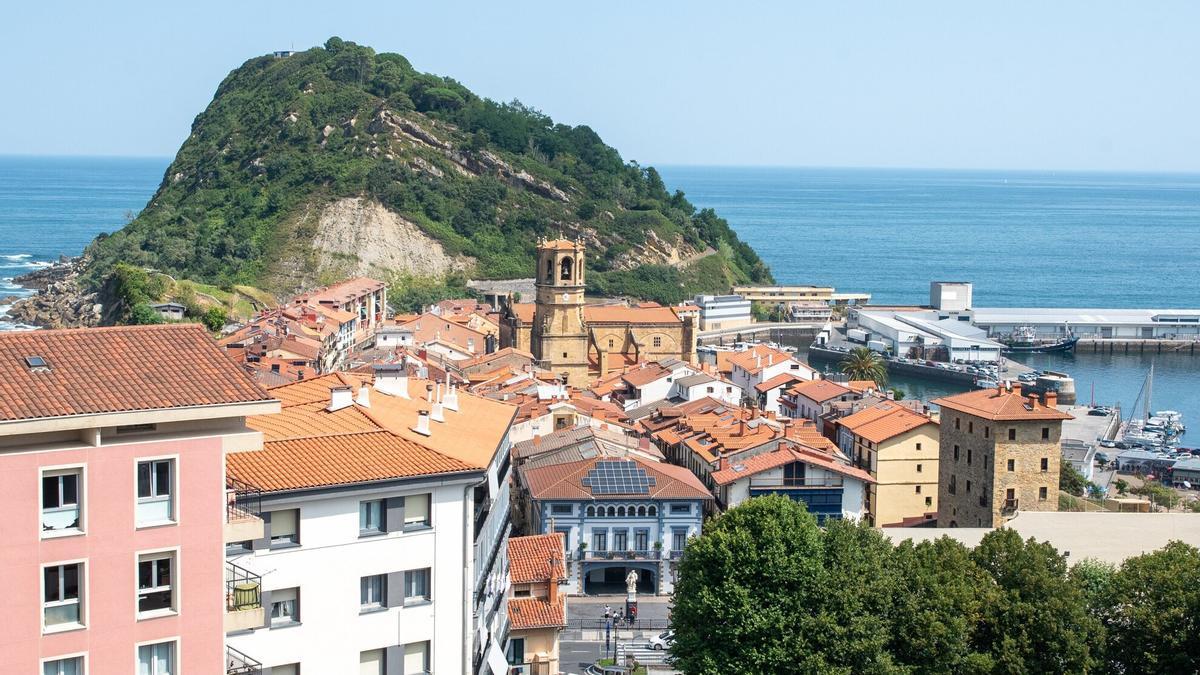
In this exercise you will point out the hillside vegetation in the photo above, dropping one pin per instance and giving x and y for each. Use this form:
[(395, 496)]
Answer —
[(338, 160)]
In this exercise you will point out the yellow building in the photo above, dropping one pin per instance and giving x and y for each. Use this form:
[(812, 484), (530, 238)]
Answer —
[(581, 341), (537, 611), (900, 449)]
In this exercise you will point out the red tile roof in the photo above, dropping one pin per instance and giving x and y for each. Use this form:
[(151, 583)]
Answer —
[(529, 558), (528, 613), (786, 454), (121, 369), (620, 314), (758, 357), (894, 422), (775, 382), (819, 390), (994, 404), (564, 481)]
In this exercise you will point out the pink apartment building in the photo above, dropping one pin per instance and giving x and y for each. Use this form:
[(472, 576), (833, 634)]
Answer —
[(112, 465)]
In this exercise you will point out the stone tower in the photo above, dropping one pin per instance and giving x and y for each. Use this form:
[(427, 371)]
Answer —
[(559, 338)]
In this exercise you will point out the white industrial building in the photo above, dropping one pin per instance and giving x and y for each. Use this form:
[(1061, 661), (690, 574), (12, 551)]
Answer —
[(723, 311), (919, 334)]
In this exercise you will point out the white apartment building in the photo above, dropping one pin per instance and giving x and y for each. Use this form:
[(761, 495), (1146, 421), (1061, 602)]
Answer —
[(723, 311), (385, 501)]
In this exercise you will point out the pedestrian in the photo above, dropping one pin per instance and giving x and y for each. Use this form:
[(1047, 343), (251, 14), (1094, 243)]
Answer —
[(607, 612)]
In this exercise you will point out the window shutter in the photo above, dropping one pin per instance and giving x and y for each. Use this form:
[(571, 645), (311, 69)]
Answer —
[(265, 600), (395, 589), (394, 514), (393, 663), (264, 543)]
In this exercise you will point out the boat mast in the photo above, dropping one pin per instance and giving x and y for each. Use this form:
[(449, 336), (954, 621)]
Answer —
[(1149, 391)]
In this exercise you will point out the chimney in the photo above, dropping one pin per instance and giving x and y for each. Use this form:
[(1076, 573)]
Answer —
[(422, 423), (552, 584), (429, 392), (392, 380), (757, 360), (364, 396), (1016, 388), (340, 397), (1051, 399), (451, 399), (771, 359), (438, 414), (1033, 401)]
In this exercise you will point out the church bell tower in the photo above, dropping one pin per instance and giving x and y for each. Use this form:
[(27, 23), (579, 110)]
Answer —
[(559, 336)]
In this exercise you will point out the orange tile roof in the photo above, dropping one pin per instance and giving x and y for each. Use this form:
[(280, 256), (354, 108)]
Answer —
[(431, 327), (564, 481), (499, 353), (868, 414), (645, 374), (312, 419), (777, 381), (560, 244), (786, 454), (529, 558), (894, 422), (619, 314), (862, 385), (321, 461), (758, 357), (997, 405), (529, 613), (819, 390), (523, 311), (342, 290), (120, 369)]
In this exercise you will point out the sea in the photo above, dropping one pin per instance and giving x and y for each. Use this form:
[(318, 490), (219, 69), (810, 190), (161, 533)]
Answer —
[(1026, 239)]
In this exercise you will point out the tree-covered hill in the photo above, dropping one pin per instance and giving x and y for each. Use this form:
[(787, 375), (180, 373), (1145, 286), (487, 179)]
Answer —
[(338, 160)]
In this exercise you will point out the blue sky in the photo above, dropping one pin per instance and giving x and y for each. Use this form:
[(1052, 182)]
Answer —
[(1039, 85)]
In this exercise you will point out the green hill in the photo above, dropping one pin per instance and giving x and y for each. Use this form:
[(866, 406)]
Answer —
[(338, 161)]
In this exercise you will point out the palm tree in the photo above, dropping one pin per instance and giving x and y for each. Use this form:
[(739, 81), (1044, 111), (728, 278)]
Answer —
[(865, 364)]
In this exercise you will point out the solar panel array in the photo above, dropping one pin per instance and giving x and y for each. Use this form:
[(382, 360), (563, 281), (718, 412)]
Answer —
[(618, 477)]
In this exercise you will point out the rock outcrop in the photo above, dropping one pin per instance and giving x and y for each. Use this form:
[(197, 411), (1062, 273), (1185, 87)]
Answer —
[(60, 301)]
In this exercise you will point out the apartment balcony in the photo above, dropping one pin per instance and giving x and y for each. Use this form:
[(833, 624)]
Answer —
[(243, 600), (620, 555), (795, 483), (237, 663), (243, 503), (1010, 506)]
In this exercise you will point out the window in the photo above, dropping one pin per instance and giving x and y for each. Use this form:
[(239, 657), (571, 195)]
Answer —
[(285, 528), (62, 607), (600, 540), (288, 669), (918, 446), (154, 492), (610, 343), (1045, 464), (678, 540), (987, 431), (657, 342), (620, 540), (416, 511), (560, 509), (970, 427), (416, 586), (157, 659), (1045, 433), (1012, 434), (956, 453), (918, 489), (1042, 493), (371, 519), (71, 666), (416, 658), (516, 651), (956, 422), (156, 575), (918, 468), (60, 501), (641, 540), (677, 509), (968, 455), (372, 592), (591, 511), (710, 390), (371, 662), (953, 489), (968, 486), (929, 501), (285, 607), (652, 511), (1012, 465)]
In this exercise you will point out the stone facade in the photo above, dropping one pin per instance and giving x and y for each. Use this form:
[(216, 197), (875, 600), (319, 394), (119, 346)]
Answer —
[(977, 487), (559, 337)]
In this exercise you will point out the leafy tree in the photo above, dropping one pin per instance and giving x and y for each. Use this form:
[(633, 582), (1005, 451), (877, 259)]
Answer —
[(143, 314), (865, 364), (1070, 480), (1157, 612), (897, 394), (1038, 622), (215, 318), (938, 606), (1122, 486), (1160, 495)]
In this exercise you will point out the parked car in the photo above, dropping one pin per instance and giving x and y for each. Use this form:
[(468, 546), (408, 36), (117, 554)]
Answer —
[(662, 641)]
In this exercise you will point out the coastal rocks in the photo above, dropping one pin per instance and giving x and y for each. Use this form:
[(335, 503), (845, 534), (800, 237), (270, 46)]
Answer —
[(386, 121), (659, 251), (60, 301), (485, 162)]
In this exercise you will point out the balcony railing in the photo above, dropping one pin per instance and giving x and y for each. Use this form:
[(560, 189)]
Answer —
[(237, 663), (243, 501), (243, 588), (1010, 506), (796, 483), (620, 555)]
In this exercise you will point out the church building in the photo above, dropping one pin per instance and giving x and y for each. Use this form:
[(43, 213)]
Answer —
[(581, 341)]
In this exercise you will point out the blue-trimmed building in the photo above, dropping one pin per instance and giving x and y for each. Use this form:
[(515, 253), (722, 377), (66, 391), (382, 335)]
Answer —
[(616, 513)]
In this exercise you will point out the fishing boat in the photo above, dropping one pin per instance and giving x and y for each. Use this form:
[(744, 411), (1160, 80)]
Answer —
[(1156, 431), (1024, 340)]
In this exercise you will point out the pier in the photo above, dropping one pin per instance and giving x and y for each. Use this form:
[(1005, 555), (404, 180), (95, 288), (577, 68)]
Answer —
[(1136, 346), (750, 332)]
